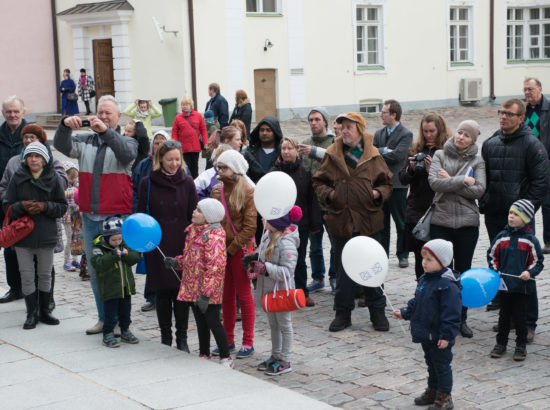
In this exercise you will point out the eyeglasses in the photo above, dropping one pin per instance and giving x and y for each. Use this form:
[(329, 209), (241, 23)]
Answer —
[(221, 168), (508, 114), (384, 112), (528, 89), (170, 144)]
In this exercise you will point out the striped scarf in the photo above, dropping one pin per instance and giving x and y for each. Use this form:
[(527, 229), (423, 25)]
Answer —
[(352, 155)]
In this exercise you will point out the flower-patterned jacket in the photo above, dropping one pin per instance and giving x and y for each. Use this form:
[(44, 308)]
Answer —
[(203, 263)]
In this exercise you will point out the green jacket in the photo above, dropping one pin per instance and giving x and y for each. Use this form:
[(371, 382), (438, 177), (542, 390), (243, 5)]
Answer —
[(114, 274)]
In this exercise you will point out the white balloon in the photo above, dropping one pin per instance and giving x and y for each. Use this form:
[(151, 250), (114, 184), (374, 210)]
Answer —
[(365, 261), (274, 195)]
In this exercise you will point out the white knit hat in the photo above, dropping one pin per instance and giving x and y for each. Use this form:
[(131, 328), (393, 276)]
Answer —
[(37, 148), (234, 160), (212, 209), (441, 249)]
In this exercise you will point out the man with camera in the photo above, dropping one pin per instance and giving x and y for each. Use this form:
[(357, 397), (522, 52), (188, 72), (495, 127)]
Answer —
[(393, 142), (105, 160)]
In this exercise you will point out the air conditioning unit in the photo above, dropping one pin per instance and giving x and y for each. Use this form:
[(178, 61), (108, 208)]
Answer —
[(470, 90)]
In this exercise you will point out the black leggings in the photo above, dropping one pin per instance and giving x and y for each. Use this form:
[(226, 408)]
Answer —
[(210, 321), (192, 161)]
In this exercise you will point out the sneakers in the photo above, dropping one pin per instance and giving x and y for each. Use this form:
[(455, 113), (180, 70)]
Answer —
[(530, 335), (76, 264), (95, 329), (263, 366), (546, 248), (216, 351), (227, 362), (278, 367), (148, 306), (117, 330), (379, 320), (520, 353), (315, 285), (341, 321), (245, 352), (309, 302), (442, 401), (498, 351), (203, 356), (110, 340), (332, 282), (128, 337), (428, 397), (69, 268)]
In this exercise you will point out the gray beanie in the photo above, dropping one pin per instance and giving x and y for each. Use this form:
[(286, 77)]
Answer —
[(37, 148), (471, 127), (441, 249), (234, 160), (323, 112), (212, 209)]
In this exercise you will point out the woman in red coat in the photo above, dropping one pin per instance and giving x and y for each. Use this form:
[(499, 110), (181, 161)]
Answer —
[(190, 130)]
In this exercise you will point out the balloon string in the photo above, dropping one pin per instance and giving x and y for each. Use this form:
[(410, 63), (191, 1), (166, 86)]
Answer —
[(514, 276), (172, 269), (392, 309)]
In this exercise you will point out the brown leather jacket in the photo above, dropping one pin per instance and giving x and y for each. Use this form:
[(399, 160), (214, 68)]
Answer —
[(244, 221), (353, 208)]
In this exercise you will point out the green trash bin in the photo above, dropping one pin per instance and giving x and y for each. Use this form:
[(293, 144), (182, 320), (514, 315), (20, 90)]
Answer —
[(169, 110)]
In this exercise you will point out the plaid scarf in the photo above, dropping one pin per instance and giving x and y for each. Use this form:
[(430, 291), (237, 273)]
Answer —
[(352, 155)]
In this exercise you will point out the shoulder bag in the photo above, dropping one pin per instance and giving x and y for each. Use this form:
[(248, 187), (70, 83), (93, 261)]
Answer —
[(72, 97), (284, 300), (14, 231), (196, 132)]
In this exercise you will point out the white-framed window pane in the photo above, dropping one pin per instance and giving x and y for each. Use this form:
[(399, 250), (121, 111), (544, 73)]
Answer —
[(519, 14), (269, 6), (518, 41), (251, 6), (359, 14), (368, 35), (509, 14), (534, 14), (463, 14), (546, 13), (372, 14), (452, 14), (459, 34), (373, 57)]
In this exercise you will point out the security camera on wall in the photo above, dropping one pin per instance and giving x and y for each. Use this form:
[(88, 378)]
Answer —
[(158, 28)]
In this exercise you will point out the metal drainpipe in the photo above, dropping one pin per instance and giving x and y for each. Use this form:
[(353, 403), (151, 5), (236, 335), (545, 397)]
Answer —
[(56, 53), (192, 44), (492, 50)]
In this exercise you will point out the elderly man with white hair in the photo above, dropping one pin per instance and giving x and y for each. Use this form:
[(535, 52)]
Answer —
[(105, 160)]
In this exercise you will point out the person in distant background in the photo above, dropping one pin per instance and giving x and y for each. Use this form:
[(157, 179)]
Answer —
[(68, 87)]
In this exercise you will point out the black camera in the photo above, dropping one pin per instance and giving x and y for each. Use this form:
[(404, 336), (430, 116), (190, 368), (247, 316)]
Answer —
[(419, 159), (85, 123)]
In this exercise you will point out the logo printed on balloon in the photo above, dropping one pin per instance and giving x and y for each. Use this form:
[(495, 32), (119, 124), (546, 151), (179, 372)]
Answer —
[(377, 268), (365, 275), (275, 211)]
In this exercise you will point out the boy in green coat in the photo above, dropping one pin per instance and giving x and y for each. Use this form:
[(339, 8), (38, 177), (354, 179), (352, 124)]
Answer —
[(113, 261)]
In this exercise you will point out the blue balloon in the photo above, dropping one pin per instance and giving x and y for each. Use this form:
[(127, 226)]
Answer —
[(479, 286), (141, 232)]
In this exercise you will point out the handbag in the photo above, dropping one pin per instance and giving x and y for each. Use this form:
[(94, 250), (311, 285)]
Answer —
[(141, 267), (16, 230), (246, 249), (285, 300), (92, 93), (72, 97), (196, 132), (421, 230)]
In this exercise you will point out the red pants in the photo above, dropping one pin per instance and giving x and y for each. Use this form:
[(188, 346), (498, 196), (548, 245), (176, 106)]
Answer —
[(237, 284)]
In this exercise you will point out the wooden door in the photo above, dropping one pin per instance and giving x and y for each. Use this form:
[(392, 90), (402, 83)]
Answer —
[(103, 68), (265, 94)]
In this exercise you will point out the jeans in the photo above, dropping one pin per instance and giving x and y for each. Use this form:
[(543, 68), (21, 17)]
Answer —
[(210, 322), (440, 374), (395, 208), (90, 230), (117, 310), (512, 306), (316, 257), (344, 298), (300, 273)]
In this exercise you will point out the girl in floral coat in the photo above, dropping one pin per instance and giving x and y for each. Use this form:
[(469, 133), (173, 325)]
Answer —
[(203, 269)]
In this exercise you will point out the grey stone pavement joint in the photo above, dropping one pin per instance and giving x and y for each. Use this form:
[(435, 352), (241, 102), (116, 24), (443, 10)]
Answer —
[(357, 368)]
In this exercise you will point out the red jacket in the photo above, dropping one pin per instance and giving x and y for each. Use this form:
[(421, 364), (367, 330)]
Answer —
[(187, 129)]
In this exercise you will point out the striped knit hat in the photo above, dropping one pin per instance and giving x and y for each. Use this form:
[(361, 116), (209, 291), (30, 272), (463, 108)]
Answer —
[(524, 209)]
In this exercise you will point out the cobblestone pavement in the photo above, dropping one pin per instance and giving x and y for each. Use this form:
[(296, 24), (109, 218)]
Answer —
[(360, 368)]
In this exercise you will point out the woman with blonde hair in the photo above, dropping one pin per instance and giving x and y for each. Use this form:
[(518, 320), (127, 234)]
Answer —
[(242, 110), (190, 130), (242, 128)]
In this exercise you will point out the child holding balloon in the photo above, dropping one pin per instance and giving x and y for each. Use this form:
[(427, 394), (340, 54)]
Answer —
[(113, 262), (516, 254), (435, 315), (273, 266)]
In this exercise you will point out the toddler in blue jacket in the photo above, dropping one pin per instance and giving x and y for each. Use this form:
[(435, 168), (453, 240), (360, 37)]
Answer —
[(435, 313)]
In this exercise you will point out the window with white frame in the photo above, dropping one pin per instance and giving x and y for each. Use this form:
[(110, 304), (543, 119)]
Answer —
[(368, 37), (460, 35), (528, 34), (263, 6)]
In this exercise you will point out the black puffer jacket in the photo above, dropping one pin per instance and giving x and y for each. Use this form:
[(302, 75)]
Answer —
[(516, 167), (255, 170), (420, 194), (47, 188), (305, 196)]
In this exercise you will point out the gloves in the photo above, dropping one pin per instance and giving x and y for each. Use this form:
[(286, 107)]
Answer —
[(170, 263), (202, 303), (249, 258), (258, 267), (251, 275)]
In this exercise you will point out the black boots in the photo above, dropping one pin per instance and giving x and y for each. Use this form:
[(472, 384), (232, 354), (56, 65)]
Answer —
[(181, 312), (163, 306), (11, 295), (31, 301), (465, 330), (341, 321), (51, 304), (45, 313), (379, 319)]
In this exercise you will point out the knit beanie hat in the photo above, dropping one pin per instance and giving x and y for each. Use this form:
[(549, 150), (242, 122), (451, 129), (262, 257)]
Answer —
[(235, 161), (212, 209), (112, 225), (284, 222), (524, 209), (441, 249), (208, 114), (37, 148), (356, 118), (323, 112), (471, 127), (35, 130), (67, 165)]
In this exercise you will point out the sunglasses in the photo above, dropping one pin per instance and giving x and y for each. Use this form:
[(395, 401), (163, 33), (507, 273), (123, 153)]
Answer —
[(170, 144), (508, 114)]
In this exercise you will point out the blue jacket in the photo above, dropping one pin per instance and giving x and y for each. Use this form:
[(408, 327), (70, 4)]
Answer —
[(435, 310), (142, 170), (218, 104), (513, 251)]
